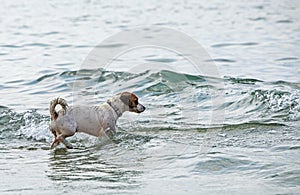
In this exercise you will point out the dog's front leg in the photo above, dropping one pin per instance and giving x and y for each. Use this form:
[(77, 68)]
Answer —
[(109, 131), (54, 143)]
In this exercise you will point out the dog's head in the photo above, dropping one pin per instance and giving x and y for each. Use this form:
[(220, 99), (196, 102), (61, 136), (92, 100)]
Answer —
[(132, 101)]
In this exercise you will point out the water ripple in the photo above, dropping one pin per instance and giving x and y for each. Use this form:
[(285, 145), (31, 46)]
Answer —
[(235, 44)]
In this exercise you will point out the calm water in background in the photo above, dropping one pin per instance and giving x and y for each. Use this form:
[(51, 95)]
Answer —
[(172, 147)]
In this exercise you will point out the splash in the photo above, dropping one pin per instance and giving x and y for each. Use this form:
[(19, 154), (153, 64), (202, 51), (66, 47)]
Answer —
[(35, 127), (27, 125)]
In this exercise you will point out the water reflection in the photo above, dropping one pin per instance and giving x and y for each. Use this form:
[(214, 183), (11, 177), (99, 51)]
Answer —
[(86, 164)]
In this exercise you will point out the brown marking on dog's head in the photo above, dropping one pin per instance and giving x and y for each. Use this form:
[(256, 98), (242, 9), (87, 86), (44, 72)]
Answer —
[(131, 100)]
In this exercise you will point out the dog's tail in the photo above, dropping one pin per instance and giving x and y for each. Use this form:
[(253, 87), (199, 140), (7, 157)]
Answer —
[(53, 104)]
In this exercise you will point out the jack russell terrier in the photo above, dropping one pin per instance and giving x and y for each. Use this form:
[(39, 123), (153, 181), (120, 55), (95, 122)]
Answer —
[(93, 120)]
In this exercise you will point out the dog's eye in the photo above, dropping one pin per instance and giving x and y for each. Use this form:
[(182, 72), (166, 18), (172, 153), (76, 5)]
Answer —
[(136, 102)]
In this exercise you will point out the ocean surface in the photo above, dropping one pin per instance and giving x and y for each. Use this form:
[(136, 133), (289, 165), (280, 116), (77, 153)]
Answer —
[(220, 81)]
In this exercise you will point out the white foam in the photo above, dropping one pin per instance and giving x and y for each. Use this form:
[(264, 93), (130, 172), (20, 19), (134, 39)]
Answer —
[(35, 127)]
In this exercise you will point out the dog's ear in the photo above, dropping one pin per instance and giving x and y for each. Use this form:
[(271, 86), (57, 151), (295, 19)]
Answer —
[(125, 97)]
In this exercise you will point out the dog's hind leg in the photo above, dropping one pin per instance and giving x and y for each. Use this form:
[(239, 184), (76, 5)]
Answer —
[(61, 139), (54, 143), (66, 143)]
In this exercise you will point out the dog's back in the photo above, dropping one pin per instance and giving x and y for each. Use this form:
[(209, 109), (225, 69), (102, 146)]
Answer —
[(94, 120)]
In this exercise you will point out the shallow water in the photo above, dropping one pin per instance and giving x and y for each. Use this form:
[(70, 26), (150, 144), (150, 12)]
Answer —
[(236, 133)]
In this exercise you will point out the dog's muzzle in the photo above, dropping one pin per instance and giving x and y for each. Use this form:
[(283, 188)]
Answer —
[(140, 108)]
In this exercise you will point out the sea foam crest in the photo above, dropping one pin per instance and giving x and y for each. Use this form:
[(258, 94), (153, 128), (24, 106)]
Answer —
[(35, 127)]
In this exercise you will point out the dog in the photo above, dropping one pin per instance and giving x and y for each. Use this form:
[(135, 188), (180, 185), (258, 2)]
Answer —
[(93, 120)]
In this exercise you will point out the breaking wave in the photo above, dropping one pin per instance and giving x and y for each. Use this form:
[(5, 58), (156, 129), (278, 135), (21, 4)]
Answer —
[(174, 101)]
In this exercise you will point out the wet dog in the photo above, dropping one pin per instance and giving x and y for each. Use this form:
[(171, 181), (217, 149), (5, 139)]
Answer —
[(94, 120)]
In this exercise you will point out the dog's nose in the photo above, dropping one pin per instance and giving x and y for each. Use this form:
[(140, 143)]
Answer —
[(141, 108)]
